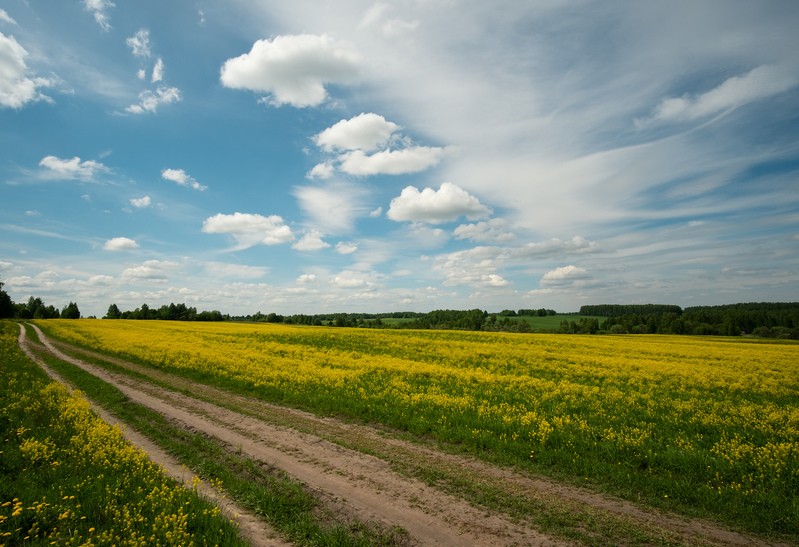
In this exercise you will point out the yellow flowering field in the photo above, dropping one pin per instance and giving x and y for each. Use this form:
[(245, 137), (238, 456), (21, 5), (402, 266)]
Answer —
[(69, 478), (703, 425)]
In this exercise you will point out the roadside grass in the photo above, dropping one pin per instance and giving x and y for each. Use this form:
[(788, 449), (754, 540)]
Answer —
[(281, 500), (67, 477)]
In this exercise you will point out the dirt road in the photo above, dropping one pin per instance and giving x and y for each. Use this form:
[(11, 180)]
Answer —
[(363, 485)]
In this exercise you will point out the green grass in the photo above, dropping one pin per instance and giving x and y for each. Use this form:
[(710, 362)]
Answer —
[(66, 476), (284, 502), (550, 322)]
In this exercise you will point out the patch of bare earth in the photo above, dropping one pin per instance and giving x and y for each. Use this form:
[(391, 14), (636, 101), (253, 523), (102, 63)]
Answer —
[(315, 450)]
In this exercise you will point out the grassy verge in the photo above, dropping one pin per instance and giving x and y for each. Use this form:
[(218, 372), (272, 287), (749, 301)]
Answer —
[(283, 502), (67, 477)]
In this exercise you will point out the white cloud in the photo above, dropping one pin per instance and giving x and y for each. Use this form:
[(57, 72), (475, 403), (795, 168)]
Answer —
[(71, 169), (249, 229), (352, 280), (759, 83), (240, 271), (376, 212), (17, 86), (139, 43), (153, 270), (141, 74), (564, 275), (375, 17), (311, 241), (333, 208), (346, 248), (446, 204), (4, 16), (391, 162), (322, 171), (555, 247), (362, 132), (180, 177), (141, 202), (149, 101), (475, 267), (120, 244), (293, 69), (98, 9), (306, 279), (491, 231), (158, 71)]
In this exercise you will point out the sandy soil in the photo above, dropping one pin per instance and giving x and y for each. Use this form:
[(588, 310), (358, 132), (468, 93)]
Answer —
[(366, 486)]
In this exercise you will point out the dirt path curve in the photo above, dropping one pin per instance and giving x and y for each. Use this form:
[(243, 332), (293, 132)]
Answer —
[(253, 529), (359, 483)]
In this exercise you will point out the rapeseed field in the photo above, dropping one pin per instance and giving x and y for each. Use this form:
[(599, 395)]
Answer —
[(705, 426)]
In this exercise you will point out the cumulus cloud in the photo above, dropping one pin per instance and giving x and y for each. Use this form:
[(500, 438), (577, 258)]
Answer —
[(473, 267), (153, 270), (352, 280), (311, 241), (17, 86), (149, 101), (141, 202), (346, 248), (120, 244), (139, 43), (292, 69), (322, 171), (71, 169), (491, 231), (306, 279), (180, 177), (98, 9), (759, 83), (249, 229), (362, 132), (446, 204), (566, 278), (391, 162)]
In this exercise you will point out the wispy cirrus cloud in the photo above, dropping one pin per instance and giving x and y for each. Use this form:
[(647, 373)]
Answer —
[(99, 9)]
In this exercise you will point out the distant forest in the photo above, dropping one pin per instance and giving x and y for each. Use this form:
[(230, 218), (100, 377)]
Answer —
[(759, 319), (763, 319)]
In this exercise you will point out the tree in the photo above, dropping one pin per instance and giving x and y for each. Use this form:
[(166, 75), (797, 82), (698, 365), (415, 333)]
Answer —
[(113, 312), (71, 311), (6, 304)]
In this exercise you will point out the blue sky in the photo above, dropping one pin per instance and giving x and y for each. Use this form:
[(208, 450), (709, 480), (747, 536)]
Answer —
[(304, 157)]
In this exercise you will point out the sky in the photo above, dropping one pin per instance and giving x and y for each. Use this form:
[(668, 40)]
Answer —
[(360, 156)]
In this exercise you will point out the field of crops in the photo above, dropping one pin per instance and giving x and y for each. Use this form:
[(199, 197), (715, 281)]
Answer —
[(705, 426), (68, 478)]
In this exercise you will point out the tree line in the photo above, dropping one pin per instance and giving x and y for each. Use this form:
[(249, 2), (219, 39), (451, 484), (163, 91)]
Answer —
[(763, 319), (171, 312), (34, 308)]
